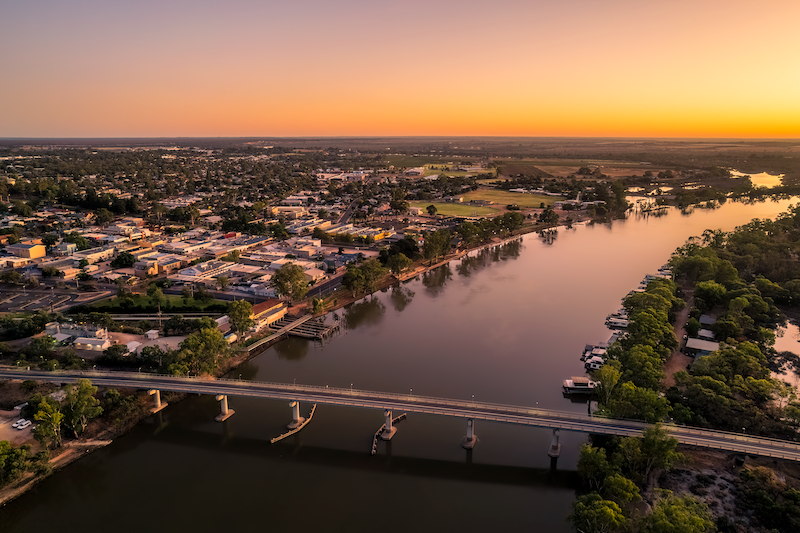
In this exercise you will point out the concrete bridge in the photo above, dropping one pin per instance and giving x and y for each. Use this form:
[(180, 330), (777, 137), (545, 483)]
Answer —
[(386, 401)]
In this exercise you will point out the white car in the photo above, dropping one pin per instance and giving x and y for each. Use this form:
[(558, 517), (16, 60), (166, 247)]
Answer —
[(18, 422), (25, 424)]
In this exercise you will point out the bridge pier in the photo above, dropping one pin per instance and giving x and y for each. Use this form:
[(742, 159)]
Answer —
[(225, 413), (296, 418), (555, 446), (471, 439), (158, 405), (390, 430)]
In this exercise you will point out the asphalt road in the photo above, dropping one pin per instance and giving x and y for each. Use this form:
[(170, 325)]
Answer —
[(544, 418)]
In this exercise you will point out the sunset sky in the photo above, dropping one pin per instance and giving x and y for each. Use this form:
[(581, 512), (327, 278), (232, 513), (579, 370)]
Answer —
[(622, 68)]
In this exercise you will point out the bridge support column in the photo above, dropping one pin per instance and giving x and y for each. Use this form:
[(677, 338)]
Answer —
[(158, 405), (389, 430), (296, 418), (225, 413), (471, 439), (555, 446)]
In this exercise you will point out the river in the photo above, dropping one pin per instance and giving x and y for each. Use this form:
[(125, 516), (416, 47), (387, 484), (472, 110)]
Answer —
[(506, 325)]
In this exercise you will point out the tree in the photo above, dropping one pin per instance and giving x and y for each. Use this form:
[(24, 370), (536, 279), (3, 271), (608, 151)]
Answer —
[(594, 467), (11, 277), (592, 514), (639, 457), (431, 209), (373, 271), (13, 461), (398, 263), (608, 376), (353, 280), (49, 240), (437, 243), (240, 313), (103, 216), (318, 305), (200, 352), (398, 202), (80, 406), (78, 240), (290, 281), (621, 490), (679, 514), (123, 260), (49, 418), (157, 297), (632, 402), (233, 256), (548, 216), (223, 282)]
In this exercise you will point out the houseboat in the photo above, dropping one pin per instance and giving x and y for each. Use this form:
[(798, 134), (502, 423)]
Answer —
[(579, 385)]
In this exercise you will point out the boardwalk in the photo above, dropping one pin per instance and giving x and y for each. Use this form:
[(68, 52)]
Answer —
[(527, 416)]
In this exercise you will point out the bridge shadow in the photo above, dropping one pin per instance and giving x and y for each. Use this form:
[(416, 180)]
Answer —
[(294, 450)]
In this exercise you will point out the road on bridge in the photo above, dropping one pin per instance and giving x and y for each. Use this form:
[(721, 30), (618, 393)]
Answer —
[(545, 418)]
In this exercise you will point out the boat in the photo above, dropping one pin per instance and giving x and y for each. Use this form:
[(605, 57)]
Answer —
[(617, 323), (579, 385), (592, 350), (594, 363)]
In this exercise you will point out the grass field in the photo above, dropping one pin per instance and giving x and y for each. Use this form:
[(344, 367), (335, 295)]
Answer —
[(434, 169), (457, 210), (505, 198), (141, 300)]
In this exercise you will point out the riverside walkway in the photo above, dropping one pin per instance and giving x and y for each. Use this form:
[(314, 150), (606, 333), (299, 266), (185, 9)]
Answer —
[(470, 410)]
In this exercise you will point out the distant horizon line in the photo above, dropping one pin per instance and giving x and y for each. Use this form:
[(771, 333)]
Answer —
[(306, 137)]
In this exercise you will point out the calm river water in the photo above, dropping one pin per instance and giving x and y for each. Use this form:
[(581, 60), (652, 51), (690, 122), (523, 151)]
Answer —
[(506, 325)]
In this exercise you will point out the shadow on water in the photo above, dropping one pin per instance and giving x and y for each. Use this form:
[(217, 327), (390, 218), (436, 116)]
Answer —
[(292, 349), (368, 312), (400, 297), (293, 450)]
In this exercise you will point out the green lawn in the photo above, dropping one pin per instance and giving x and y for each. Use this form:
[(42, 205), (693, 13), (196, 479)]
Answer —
[(143, 301), (458, 210), (435, 169), (505, 198)]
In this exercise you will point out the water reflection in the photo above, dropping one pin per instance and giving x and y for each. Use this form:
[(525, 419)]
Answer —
[(548, 236), (435, 280), (400, 297), (292, 349), (486, 256), (367, 312)]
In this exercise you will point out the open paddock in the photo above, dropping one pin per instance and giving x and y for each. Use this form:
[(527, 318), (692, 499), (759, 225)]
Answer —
[(458, 210), (504, 198)]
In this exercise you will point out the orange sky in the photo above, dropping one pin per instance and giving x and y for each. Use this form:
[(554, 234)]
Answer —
[(699, 68)]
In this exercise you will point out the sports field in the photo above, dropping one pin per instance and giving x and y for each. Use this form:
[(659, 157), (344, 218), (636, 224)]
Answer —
[(505, 198), (457, 210)]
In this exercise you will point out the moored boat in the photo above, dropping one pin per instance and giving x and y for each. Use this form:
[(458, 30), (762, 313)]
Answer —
[(579, 385)]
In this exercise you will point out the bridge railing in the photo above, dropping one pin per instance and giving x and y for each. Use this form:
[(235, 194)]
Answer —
[(409, 398)]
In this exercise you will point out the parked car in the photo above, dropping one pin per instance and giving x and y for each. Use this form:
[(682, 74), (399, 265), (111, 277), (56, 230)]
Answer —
[(18, 422), (25, 424)]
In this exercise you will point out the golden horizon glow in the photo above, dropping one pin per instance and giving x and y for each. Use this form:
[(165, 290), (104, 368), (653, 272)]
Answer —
[(707, 68)]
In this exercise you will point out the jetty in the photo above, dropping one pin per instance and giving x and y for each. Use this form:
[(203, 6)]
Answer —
[(384, 433), (298, 428), (304, 327)]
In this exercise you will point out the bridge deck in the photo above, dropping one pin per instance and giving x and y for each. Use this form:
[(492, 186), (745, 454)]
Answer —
[(545, 418)]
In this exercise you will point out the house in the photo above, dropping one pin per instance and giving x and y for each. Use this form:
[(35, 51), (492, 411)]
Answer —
[(151, 334), (65, 248), (700, 347), (91, 343), (269, 311), (27, 251)]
